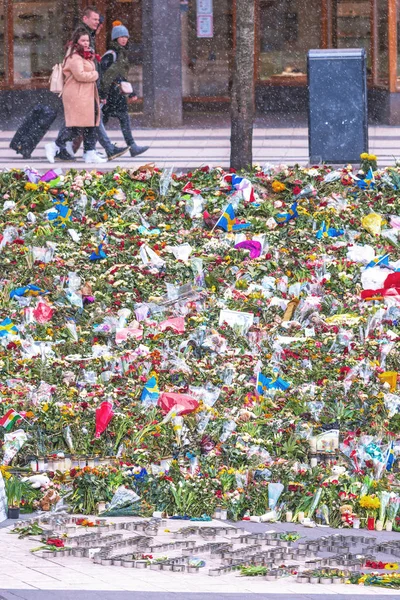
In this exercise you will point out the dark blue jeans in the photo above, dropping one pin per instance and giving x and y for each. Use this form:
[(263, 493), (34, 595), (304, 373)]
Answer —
[(125, 123)]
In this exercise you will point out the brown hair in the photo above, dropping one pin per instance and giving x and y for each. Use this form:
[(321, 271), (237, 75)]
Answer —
[(78, 33), (89, 10), (72, 45)]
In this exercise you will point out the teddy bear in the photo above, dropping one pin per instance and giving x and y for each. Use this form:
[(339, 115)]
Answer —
[(37, 481), (346, 512), (337, 471), (50, 498)]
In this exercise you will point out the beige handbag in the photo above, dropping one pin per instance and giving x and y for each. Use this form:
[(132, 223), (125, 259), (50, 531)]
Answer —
[(57, 79)]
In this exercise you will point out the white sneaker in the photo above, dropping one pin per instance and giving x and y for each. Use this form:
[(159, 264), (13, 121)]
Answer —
[(70, 149), (51, 150), (93, 157)]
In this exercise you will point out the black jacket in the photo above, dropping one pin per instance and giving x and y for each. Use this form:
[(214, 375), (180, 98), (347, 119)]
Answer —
[(114, 69)]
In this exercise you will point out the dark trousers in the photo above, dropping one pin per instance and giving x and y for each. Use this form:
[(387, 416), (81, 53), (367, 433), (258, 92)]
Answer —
[(68, 134), (102, 137), (125, 123)]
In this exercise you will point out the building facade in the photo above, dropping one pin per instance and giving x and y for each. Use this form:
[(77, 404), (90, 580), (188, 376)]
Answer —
[(181, 50)]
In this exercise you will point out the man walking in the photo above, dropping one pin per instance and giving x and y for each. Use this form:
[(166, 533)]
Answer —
[(57, 150)]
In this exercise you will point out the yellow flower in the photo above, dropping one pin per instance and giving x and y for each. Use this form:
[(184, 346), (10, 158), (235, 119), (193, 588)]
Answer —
[(278, 186), (370, 502), (31, 187), (393, 566), (4, 471), (45, 407), (372, 157), (364, 156)]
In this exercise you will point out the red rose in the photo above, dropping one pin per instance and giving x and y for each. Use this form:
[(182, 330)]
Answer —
[(55, 542)]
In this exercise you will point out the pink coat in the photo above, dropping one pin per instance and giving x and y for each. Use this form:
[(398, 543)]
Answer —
[(80, 93)]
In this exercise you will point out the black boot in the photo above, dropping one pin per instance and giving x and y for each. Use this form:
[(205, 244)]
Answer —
[(117, 152), (135, 150), (64, 155)]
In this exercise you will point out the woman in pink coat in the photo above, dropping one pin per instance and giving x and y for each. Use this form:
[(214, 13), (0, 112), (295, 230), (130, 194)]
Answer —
[(80, 96)]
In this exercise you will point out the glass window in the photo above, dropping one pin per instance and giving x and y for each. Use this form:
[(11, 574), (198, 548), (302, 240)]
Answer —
[(2, 41), (207, 60), (352, 27), (287, 30), (41, 30), (353, 24)]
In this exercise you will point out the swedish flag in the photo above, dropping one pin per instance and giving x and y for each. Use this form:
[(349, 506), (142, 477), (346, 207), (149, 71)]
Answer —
[(228, 220), (262, 384), (98, 253), (28, 290), (150, 392), (280, 384), (62, 216), (325, 231), (379, 261), (7, 327), (287, 216), (267, 383), (368, 181), (390, 458)]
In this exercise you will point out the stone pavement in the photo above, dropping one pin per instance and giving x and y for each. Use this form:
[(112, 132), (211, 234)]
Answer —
[(190, 146), (186, 595), (26, 576)]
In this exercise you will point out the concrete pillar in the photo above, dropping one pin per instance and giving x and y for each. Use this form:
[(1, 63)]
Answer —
[(162, 63)]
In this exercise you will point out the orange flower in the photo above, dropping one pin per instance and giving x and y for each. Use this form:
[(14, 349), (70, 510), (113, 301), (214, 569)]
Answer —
[(278, 186)]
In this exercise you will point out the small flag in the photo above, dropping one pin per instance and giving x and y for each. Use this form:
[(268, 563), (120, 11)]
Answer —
[(367, 182), (228, 220), (288, 216), (10, 419), (98, 254), (150, 392), (379, 261), (325, 231), (28, 290), (62, 216), (7, 327), (267, 383), (390, 458)]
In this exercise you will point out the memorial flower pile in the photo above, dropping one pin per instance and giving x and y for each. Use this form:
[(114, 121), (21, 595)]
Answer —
[(199, 339)]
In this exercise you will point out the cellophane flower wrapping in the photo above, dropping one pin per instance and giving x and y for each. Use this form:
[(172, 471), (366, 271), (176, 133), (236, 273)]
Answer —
[(274, 493)]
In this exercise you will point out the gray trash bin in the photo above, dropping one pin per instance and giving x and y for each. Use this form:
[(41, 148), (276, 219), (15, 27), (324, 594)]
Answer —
[(337, 114)]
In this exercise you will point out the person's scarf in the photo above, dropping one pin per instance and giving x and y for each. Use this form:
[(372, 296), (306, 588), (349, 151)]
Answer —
[(86, 54)]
